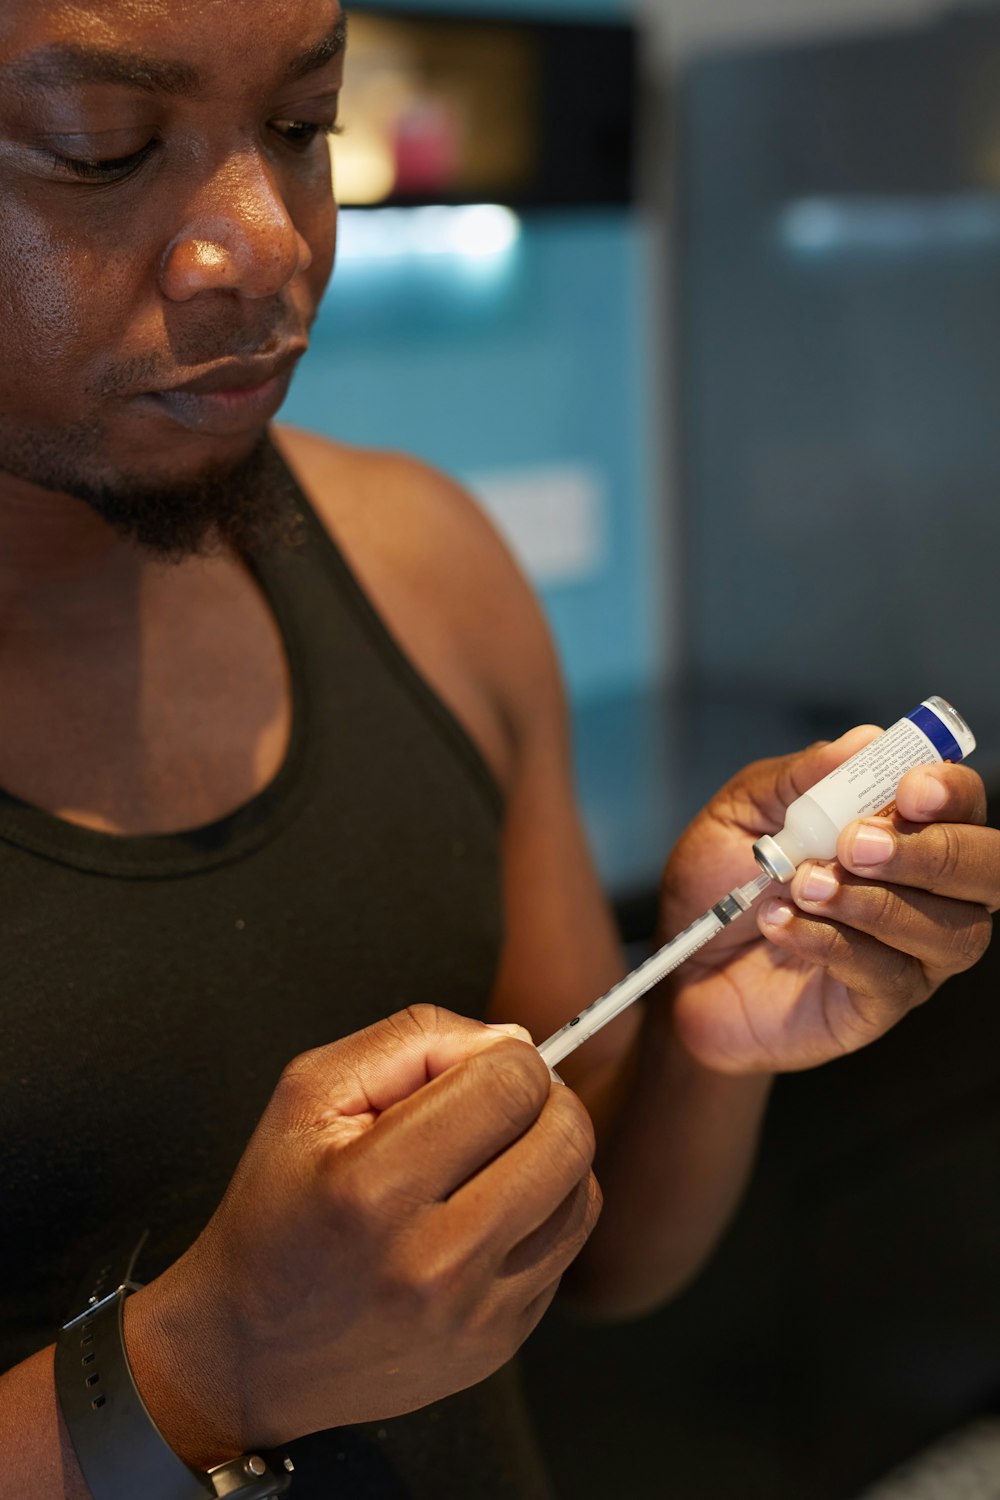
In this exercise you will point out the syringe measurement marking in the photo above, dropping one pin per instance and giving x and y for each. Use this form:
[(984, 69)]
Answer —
[(621, 995), (663, 962)]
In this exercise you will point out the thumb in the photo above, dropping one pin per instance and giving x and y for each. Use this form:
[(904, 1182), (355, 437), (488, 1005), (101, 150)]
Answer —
[(788, 777), (393, 1058)]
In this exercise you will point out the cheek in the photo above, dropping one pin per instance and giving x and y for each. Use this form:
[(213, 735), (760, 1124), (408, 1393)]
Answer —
[(64, 299), (37, 282)]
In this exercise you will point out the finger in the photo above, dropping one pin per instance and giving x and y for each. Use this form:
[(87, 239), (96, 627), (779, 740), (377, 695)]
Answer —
[(960, 860), (884, 982), (369, 1071), (761, 793), (518, 1192), (424, 1147), (810, 766), (550, 1248), (944, 935), (946, 794), (799, 772)]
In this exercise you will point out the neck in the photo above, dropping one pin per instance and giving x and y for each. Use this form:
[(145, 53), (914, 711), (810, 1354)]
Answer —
[(59, 560)]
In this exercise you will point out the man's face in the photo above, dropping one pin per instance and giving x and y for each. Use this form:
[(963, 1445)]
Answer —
[(167, 228)]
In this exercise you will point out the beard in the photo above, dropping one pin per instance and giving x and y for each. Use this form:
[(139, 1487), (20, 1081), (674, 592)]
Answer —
[(249, 506)]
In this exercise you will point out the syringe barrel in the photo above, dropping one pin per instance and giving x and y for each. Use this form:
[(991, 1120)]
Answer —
[(663, 962)]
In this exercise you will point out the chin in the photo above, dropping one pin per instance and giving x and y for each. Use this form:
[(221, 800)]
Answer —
[(240, 497)]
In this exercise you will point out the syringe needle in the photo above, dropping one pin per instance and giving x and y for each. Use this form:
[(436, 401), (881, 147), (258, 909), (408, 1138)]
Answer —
[(663, 962)]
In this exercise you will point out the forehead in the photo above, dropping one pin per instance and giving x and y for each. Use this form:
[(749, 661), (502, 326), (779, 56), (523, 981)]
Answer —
[(183, 46)]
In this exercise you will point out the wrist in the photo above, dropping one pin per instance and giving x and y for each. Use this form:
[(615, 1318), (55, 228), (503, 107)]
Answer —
[(120, 1449), (186, 1369)]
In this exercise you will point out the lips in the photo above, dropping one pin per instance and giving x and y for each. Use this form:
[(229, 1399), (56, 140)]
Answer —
[(231, 376), (231, 397)]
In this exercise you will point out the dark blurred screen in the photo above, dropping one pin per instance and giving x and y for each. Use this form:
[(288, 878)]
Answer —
[(439, 109)]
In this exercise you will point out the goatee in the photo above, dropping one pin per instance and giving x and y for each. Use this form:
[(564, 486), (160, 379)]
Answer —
[(250, 507)]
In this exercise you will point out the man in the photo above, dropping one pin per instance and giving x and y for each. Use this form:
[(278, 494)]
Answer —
[(278, 751)]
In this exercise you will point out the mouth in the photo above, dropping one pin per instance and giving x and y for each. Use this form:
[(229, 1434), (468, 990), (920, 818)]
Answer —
[(232, 396)]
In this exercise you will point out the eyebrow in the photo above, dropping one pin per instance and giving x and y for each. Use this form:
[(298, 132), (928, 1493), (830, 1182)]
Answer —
[(66, 62), (63, 63), (318, 56)]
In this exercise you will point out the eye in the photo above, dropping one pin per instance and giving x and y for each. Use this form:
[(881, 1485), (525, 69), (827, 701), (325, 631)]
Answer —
[(110, 169), (300, 134)]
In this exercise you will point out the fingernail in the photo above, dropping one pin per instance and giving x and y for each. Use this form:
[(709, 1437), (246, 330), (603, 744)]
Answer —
[(931, 796), (872, 845), (509, 1029), (821, 884), (778, 913)]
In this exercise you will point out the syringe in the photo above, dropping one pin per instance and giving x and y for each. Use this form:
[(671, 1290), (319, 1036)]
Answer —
[(663, 962)]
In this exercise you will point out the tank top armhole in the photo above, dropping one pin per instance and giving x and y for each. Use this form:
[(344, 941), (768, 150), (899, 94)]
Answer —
[(396, 659)]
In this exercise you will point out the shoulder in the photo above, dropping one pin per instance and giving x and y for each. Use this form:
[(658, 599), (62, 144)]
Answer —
[(396, 506), (443, 580)]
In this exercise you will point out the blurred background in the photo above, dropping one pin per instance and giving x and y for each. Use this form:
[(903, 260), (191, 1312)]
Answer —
[(701, 298)]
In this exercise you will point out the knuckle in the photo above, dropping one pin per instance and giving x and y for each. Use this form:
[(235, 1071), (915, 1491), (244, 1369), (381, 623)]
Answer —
[(972, 940), (949, 852), (583, 1212), (902, 984), (826, 942), (291, 1078), (388, 1035), (387, 1204), (892, 992), (883, 907), (361, 1196), (423, 1017), (595, 1203), (891, 984), (518, 1089), (348, 1194), (429, 1289), (296, 1073), (574, 1131), (421, 1020), (301, 1093), (968, 793)]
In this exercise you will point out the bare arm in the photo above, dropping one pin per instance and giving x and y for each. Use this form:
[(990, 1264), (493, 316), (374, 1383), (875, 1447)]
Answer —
[(676, 1140), (36, 1455)]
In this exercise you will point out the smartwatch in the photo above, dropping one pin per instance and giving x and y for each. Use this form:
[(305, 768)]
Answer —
[(121, 1452)]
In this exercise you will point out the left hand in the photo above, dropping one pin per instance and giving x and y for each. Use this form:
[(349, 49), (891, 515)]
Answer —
[(852, 944)]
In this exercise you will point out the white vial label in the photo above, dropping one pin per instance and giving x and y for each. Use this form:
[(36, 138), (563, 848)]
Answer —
[(866, 784)]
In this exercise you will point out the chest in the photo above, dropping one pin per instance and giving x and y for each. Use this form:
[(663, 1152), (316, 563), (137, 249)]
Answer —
[(168, 716), (148, 1011)]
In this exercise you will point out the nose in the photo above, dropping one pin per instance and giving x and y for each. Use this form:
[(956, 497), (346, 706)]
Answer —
[(238, 236)]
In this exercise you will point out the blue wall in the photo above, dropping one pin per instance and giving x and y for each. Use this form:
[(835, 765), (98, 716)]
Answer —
[(537, 364)]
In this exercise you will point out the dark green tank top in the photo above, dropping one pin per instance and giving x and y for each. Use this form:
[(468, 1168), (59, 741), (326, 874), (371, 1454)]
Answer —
[(153, 988)]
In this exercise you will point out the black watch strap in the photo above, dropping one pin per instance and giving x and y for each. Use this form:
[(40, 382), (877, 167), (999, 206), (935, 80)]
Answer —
[(121, 1452)]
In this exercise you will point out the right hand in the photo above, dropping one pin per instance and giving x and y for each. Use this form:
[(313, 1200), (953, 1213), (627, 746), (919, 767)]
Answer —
[(396, 1227)]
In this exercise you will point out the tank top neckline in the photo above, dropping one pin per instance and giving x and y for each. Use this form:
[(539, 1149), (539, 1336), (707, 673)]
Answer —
[(187, 850), (254, 822)]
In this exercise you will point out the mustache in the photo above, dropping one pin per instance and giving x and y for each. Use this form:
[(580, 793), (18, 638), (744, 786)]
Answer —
[(156, 370)]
